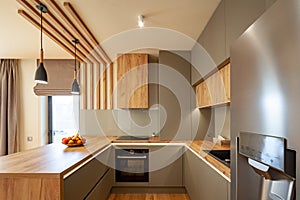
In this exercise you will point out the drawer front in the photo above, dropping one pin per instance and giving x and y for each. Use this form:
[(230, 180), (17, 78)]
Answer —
[(82, 181), (102, 189)]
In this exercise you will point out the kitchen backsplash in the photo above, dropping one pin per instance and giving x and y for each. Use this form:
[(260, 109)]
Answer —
[(120, 122)]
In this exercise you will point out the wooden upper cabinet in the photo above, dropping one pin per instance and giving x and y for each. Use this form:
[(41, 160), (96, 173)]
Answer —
[(132, 81), (215, 89), (203, 95), (225, 73)]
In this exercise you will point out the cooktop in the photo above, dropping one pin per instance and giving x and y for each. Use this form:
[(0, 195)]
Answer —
[(128, 137)]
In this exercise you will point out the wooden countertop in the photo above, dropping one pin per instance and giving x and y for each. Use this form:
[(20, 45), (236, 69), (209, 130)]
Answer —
[(152, 139), (38, 173), (58, 159), (197, 145), (52, 159)]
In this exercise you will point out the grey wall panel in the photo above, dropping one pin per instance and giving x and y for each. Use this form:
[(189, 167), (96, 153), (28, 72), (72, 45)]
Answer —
[(222, 121), (229, 21), (213, 36), (175, 94), (204, 127)]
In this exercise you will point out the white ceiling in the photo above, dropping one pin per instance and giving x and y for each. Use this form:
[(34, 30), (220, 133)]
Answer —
[(111, 21)]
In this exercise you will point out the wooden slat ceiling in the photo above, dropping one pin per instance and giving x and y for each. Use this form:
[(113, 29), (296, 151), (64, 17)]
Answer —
[(62, 25)]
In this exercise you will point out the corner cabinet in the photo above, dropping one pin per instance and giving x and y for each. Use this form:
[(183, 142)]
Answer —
[(132, 81), (214, 89), (201, 181)]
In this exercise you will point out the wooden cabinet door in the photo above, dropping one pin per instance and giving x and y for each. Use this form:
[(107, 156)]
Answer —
[(225, 73), (203, 95), (215, 89), (132, 81)]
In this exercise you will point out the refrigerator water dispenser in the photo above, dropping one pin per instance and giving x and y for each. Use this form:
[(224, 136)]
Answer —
[(269, 157)]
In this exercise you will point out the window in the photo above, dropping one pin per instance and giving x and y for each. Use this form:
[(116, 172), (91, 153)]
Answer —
[(63, 117)]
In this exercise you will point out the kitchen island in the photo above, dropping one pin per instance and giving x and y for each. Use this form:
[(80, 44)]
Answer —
[(39, 173), (53, 171)]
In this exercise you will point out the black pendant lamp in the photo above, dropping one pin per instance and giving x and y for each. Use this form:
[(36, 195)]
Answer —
[(40, 73), (75, 85)]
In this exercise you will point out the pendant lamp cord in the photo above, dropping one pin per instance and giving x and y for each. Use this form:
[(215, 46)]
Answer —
[(75, 57), (41, 29)]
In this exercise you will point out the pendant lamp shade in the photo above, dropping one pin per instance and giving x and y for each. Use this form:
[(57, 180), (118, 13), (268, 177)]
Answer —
[(41, 73), (75, 86)]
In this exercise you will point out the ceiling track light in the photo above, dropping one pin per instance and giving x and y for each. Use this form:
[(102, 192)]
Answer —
[(41, 73), (75, 86), (141, 21)]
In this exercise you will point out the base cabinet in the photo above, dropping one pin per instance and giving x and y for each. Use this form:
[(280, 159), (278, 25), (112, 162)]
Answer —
[(80, 183), (102, 189), (93, 180), (165, 167), (201, 181)]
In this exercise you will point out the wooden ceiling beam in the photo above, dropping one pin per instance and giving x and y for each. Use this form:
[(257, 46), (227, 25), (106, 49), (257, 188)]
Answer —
[(77, 19), (49, 34), (61, 30), (71, 26), (61, 39), (51, 31)]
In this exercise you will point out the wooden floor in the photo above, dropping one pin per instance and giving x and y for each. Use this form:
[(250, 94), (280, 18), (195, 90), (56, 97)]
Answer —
[(148, 197)]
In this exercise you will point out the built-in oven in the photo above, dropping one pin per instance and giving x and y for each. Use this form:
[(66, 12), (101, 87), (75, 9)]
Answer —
[(132, 165)]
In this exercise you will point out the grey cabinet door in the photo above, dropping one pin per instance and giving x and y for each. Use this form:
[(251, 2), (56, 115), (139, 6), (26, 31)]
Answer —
[(81, 182), (102, 190), (165, 166), (213, 37), (201, 181)]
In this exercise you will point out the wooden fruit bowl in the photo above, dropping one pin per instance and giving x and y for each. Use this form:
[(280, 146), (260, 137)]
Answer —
[(75, 145)]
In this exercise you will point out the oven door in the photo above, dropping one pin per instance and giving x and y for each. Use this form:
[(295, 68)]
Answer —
[(132, 165)]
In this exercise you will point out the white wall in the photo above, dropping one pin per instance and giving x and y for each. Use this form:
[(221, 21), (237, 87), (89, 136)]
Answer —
[(29, 121)]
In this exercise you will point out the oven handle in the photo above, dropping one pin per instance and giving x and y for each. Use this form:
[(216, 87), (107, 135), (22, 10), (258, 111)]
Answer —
[(132, 157)]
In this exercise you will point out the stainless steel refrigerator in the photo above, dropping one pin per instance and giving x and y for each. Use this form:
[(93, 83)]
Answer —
[(265, 99)]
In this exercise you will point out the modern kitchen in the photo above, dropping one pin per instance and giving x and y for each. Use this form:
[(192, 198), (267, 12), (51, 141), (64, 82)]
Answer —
[(179, 100)]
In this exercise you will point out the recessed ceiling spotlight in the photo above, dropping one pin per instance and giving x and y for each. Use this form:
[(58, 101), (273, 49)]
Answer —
[(141, 21)]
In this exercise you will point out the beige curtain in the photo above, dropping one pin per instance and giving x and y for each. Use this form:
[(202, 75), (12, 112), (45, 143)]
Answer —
[(8, 106)]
